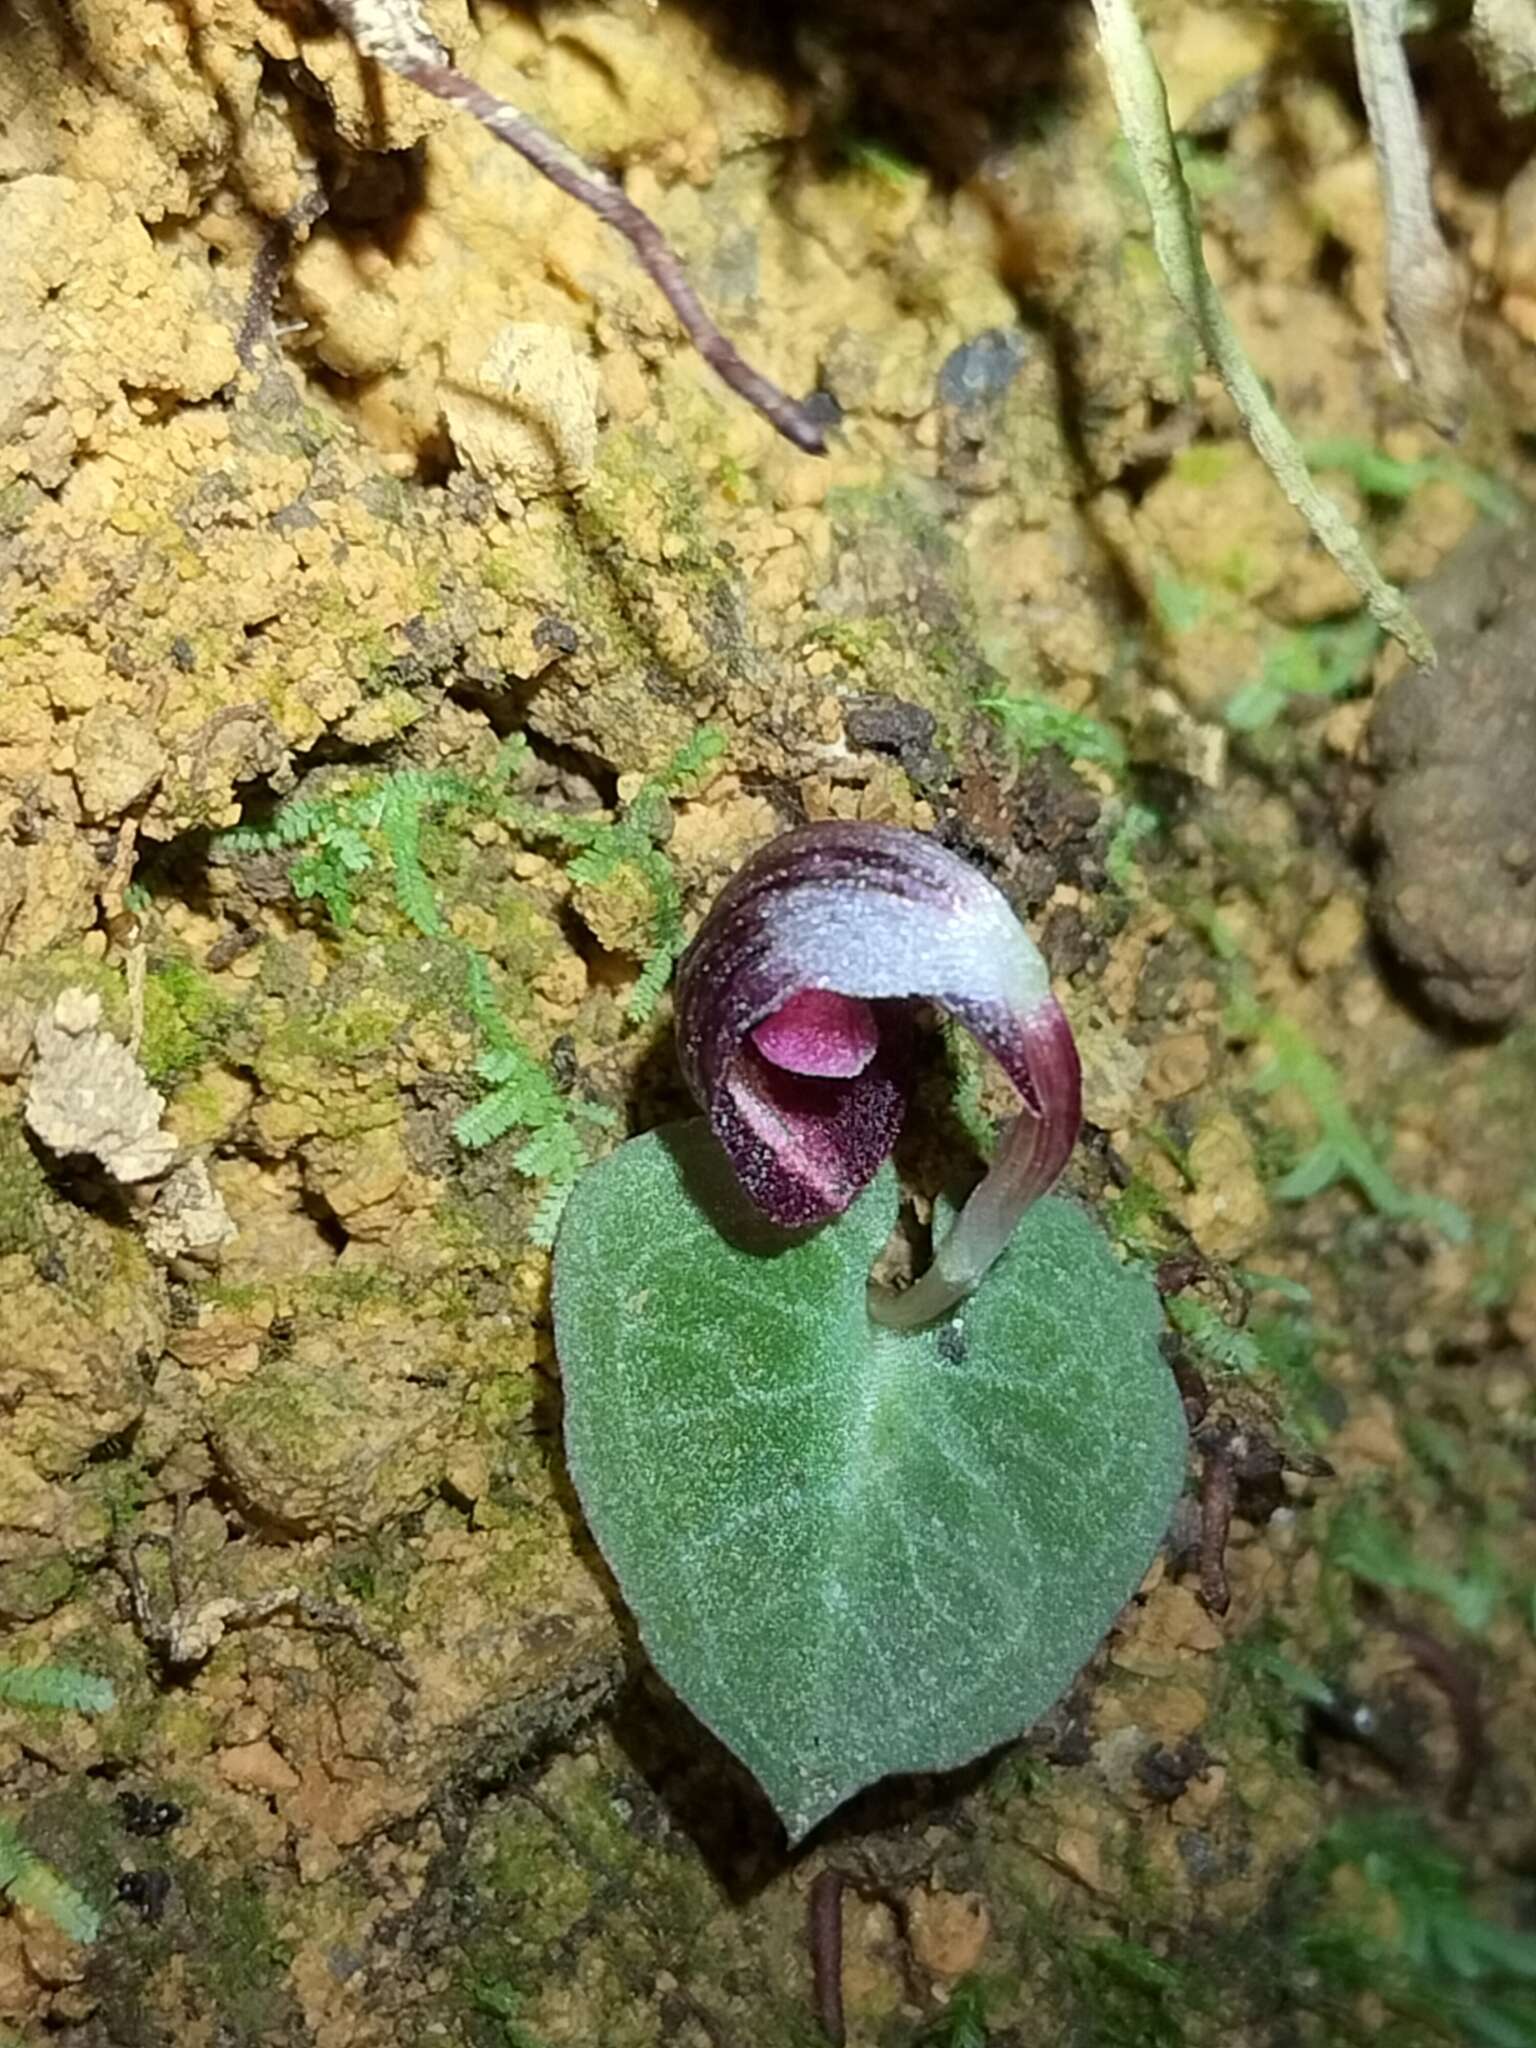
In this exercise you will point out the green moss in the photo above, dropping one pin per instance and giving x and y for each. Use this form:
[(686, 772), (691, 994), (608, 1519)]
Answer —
[(236, 1295), (316, 430), (16, 503), (28, 1591), (216, 1954), (497, 2005), (203, 1111), (387, 498), (346, 832), (1141, 1218), (26, 633), (76, 1833), (526, 941), (89, 1640), (1264, 1683), (1127, 1994), (38, 980), (486, 1225), (639, 486), (372, 657), (500, 571), (638, 553), (1236, 571), (299, 1416), (239, 1963), (525, 1866), (862, 643), (613, 596), (377, 1572), (963, 2022), (185, 1019), (336, 1030), (735, 483), (25, 1198), (1364, 1542), (393, 709), (119, 1486), (894, 504), (1207, 463), (1413, 1934), (504, 1403), (893, 534), (1509, 1079), (185, 1728), (1342, 1150), (348, 1289)]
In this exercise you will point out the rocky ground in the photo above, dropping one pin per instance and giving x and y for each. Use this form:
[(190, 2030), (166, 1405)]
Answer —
[(372, 552)]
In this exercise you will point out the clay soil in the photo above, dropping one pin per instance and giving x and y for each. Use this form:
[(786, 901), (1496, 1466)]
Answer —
[(338, 454)]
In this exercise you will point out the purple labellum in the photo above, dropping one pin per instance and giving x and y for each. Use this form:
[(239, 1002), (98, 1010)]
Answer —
[(792, 1010), (818, 1032)]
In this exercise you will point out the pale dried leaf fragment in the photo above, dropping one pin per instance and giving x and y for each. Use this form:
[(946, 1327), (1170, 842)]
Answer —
[(948, 1931), (523, 412), (1503, 33), (189, 1219), (87, 1094)]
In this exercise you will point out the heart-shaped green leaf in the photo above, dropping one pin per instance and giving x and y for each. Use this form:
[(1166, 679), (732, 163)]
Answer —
[(854, 1551)]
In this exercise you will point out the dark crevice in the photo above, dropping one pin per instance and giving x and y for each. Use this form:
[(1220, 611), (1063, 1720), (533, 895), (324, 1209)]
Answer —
[(503, 705), (117, 1446), (573, 765), (615, 971), (1139, 476), (1331, 264), (325, 1219), (942, 82), (79, 1179)]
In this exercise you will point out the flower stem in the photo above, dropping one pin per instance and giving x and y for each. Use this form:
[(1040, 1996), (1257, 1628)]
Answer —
[(1044, 1068)]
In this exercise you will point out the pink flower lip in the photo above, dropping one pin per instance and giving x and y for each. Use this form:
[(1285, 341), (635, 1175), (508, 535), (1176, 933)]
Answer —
[(819, 1032)]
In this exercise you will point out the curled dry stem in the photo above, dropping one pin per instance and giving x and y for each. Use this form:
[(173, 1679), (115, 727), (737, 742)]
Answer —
[(1426, 295), (394, 33), (1142, 106)]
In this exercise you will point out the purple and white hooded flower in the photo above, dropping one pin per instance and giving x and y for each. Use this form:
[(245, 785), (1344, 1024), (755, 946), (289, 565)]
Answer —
[(792, 1025)]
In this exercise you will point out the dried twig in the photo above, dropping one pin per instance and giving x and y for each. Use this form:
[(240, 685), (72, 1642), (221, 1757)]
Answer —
[(1426, 297), (824, 1930), (1218, 1498), (185, 1638), (267, 272), (394, 33), (1142, 105)]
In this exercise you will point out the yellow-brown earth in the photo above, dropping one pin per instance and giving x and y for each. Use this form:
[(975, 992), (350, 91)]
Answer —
[(469, 484)]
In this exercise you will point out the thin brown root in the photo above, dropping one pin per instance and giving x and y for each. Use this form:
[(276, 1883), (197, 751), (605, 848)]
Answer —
[(824, 1929), (1218, 1498), (393, 34)]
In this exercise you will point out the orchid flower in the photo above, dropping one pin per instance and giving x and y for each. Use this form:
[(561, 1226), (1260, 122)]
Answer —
[(792, 1013), (858, 1542)]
